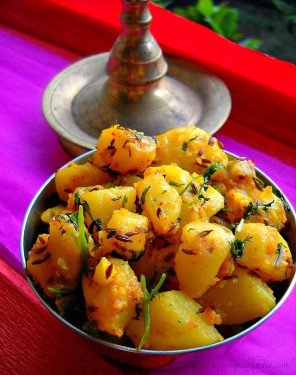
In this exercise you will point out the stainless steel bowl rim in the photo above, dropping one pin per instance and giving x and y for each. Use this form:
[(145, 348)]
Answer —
[(84, 157)]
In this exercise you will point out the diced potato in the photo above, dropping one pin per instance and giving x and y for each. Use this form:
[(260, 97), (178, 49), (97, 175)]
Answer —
[(126, 234), (40, 265), (103, 202), (104, 272), (124, 150), (52, 212), (175, 324), (266, 252), (240, 297), (188, 147), (113, 305), (161, 203), (193, 207), (74, 176), (204, 247), (65, 250)]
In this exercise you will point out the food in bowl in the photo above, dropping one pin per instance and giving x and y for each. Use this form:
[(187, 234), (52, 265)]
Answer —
[(161, 243)]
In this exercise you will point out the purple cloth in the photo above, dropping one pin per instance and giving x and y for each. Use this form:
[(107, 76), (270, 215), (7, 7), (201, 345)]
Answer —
[(31, 152)]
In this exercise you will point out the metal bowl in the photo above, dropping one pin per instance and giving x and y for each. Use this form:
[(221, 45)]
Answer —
[(32, 226)]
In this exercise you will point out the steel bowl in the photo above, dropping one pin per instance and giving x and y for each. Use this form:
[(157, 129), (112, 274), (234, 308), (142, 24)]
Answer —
[(32, 227)]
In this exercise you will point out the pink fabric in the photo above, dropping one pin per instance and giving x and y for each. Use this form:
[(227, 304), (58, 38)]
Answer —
[(30, 152)]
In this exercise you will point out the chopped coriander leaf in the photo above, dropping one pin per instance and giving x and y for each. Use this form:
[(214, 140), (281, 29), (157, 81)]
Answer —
[(74, 218), (185, 144), (173, 183), (145, 305), (116, 198), (63, 217), (59, 291), (82, 238), (143, 197), (226, 210), (189, 184), (95, 222), (211, 170), (232, 227), (124, 200), (237, 247), (253, 208), (164, 191)]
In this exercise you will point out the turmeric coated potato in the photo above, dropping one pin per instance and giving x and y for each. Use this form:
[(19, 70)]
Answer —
[(265, 251), (74, 176), (124, 150), (161, 203), (190, 148), (240, 297), (177, 322), (112, 304), (204, 247), (125, 235)]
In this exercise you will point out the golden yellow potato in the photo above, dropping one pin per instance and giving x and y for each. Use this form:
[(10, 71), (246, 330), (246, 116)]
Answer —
[(124, 150), (40, 265), (176, 323), (204, 247), (240, 297), (112, 305), (197, 202), (125, 235), (102, 202), (52, 212), (189, 147), (68, 179), (246, 196), (265, 252), (64, 247), (161, 203)]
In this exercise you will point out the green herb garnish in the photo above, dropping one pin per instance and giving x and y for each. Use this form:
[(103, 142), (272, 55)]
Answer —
[(124, 200), (173, 183), (143, 197), (145, 305), (211, 170), (185, 144), (253, 208), (82, 237), (116, 198), (189, 184), (95, 222), (237, 247), (59, 291)]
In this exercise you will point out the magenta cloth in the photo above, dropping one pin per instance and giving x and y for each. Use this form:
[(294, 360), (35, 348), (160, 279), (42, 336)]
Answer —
[(31, 152)]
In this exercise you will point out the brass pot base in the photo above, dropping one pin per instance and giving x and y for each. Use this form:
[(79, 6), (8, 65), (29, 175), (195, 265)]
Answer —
[(80, 101)]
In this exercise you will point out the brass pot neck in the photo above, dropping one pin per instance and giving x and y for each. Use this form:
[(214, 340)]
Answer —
[(136, 59)]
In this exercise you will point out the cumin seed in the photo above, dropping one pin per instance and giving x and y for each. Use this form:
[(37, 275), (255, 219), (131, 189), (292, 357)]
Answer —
[(123, 238), (188, 252), (211, 141), (109, 271), (42, 260), (204, 233)]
